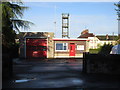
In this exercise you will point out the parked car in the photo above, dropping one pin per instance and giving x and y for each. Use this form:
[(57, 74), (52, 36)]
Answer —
[(115, 49)]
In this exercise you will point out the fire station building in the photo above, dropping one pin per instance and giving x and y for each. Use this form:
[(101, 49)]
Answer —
[(70, 48), (44, 45)]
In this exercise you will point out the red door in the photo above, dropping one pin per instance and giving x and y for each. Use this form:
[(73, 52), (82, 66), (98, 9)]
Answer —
[(72, 49), (36, 48)]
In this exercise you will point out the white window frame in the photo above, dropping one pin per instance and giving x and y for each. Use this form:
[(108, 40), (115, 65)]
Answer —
[(63, 46)]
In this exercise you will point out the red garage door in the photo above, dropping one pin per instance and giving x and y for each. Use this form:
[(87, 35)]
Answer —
[(36, 48)]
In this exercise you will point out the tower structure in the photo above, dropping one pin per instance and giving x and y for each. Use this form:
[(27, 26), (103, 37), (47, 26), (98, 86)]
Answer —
[(65, 25)]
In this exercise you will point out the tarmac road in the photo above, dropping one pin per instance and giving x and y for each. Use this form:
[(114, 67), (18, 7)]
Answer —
[(57, 73)]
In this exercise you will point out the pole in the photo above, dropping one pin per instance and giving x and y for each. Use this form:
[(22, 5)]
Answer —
[(55, 20)]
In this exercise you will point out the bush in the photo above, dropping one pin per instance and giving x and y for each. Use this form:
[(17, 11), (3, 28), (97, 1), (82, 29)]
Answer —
[(105, 49), (94, 51)]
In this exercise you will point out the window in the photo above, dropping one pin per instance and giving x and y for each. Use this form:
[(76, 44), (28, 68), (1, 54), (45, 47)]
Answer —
[(61, 46)]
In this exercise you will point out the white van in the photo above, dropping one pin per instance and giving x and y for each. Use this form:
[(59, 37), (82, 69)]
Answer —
[(115, 49)]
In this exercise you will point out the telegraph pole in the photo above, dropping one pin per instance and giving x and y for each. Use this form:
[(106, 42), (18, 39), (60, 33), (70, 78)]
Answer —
[(55, 20)]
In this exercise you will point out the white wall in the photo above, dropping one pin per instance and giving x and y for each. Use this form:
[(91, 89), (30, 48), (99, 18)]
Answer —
[(94, 42)]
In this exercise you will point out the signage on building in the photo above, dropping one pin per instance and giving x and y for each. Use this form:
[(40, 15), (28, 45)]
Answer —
[(80, 47)]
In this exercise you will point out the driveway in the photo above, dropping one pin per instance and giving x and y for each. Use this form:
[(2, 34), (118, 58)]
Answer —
[(57, 73)]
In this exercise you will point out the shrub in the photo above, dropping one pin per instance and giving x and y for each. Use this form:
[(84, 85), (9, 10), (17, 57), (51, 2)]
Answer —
[(94, 51), (105, 49)]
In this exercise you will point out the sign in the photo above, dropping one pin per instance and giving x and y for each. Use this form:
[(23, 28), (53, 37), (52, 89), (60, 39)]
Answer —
[(80, 47)]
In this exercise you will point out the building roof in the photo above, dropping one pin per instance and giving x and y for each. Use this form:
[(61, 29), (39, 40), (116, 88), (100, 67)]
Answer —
[(71, 39), (35, 34), (107, 37), (86, 35)]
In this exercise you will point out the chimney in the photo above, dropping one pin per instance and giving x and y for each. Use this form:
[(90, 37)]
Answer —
[(107, 37), (85, 31)]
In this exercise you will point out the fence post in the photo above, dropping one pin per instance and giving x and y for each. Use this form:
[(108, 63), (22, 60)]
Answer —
[(85, 57)]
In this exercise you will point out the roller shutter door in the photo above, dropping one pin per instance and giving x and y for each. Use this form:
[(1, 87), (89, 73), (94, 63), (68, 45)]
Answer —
[(36, 48)]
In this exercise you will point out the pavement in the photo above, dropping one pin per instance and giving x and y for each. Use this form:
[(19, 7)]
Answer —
[(57, 73)]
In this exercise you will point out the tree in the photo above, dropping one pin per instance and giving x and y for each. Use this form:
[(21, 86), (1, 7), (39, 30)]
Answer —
[(118, 9), (105, 49), (12, 13), (118, 13)]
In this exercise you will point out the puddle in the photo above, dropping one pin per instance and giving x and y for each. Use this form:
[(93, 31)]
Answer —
[(77, 81), (24, 80), (20, 81)]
